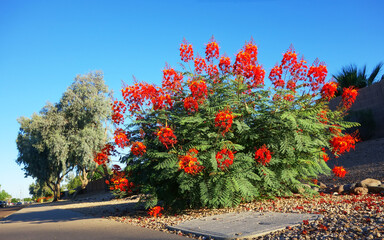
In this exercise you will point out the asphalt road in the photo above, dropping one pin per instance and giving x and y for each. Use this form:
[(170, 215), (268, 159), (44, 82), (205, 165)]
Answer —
[(45, 221)]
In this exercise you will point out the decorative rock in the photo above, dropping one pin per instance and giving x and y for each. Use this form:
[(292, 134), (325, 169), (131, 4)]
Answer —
[(377, 189), (369, 182), (360, 191), (322, 185)]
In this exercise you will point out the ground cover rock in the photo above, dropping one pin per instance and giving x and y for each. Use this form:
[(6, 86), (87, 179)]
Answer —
[(360, 190), (369, 182)]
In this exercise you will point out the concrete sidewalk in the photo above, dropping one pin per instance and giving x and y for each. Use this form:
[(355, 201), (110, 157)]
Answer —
[(40, 222)]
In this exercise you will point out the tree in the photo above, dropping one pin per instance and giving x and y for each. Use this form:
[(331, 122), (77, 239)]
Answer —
[(351, 76), (43, 147), (86, 109), (65, 136), (4, 195), (38, 190)]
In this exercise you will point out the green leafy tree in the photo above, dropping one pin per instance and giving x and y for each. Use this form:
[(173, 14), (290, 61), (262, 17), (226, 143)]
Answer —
[(352, 76), (4, 195), (86, 108), (65, 136), (38, 190), (43, 147)]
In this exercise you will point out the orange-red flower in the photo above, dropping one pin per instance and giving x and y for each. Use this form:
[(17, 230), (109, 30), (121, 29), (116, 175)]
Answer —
[(186, 51), (119, 180), (224, 120), (328, 90), (199, 90), (316, 74), (224, 158), (212, 70), (342, 144), (138, 148), (263, 155), (121, 138), (189, 162), (156, 211), (289, 97), (291, 85), (339, 171), (118, 109), (225, 65), (103, 156), (166, 137), (349, 96), (212, 50), (191, 105), (172, 81), (275, 76), (200, 65)]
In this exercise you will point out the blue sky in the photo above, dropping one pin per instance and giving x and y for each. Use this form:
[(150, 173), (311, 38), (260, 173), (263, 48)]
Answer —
[(45, 44)]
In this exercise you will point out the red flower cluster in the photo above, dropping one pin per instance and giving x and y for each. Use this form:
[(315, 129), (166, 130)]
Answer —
[(339, 171), (189, 162), (349, 96), (121, 138), (200, 65), (190, 104), (118, 109), (275, 76), (316, 74), (167, 137), (119, 180), (138, 148), (212, 50), (291, 85), (328, 90), (224, 120), (199, 90), (155, 211), (138, 94), (342, 144), (289, 97), (224, 158), (263, 155), (212, 70), (172, 81), (186, 51), (225, 64), (322, 117), (325, 156), (246, 65), (297, 69), (102, 157)]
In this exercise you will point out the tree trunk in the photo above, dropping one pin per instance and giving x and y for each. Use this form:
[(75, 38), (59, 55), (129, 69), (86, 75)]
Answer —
[(84, 178), (56, 192)]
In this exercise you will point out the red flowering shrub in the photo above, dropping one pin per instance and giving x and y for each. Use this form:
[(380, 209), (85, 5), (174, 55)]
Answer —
[(339, 171), (218, 112), (119, 182), (349, 96)]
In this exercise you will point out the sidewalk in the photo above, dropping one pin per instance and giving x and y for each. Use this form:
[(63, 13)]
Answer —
[(40, 222)]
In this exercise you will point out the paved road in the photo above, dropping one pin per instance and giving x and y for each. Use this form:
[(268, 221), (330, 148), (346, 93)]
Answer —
[(38, 222)]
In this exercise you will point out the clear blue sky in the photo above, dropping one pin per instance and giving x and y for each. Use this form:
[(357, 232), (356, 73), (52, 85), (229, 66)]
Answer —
[(45, 44)]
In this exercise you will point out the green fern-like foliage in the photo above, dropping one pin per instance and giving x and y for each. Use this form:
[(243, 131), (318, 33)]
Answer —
[(292, 130)]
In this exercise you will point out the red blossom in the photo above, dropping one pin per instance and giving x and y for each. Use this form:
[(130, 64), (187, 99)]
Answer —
[(172, 81), (186, 51), (212, 50), (166, 137), (212, 70), (224, 158), (328, 90), (191, 105), (349, 96), (225, 65), (120, 137), (119, 180), (342, 144), (138, 148), (291, 85), (155, 211), (316, 74), (199, 90), (189, 162), (224, 120), (118, 109), (289, 97), (263, 155), (103, 156), (339, 171), (200, 65)]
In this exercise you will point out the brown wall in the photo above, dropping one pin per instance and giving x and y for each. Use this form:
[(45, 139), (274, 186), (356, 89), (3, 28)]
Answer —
[(372, 99), (96, 185)]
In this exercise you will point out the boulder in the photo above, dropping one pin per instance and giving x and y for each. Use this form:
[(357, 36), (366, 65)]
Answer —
[(360, 190), (377, 189), (369, 182)]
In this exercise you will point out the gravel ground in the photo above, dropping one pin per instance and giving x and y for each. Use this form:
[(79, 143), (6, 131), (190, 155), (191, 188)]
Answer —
[(344, 216)]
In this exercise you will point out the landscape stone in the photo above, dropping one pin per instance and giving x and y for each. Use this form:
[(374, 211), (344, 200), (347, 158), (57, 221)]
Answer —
[(378, 189), (243, 225), (360, 190), (369, 182)]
